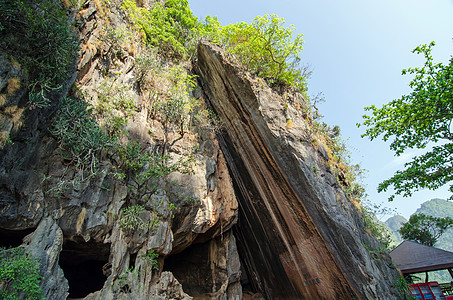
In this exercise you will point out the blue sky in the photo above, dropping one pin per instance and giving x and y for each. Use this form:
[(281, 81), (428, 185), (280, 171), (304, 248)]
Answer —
[(357, 49)]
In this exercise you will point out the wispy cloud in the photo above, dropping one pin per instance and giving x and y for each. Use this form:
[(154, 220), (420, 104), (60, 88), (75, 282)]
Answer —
[(400, 160)]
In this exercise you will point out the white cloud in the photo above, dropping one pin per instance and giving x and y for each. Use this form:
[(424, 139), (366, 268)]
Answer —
[(400, 160)]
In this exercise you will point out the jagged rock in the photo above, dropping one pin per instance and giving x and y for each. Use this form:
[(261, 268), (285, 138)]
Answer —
[(300, 236), (167, 287), (45, 244), (217, 205)]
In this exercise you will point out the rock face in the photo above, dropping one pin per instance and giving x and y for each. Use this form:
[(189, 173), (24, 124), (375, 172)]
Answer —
[(269, 221), (76, 236), (45, 244), (300, 238)]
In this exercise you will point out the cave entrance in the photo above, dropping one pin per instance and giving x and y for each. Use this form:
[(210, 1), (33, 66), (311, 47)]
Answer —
[(192, 269), (13, 238), (84, 265)]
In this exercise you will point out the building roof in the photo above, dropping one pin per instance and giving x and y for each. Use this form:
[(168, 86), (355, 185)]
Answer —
[(411, 257)]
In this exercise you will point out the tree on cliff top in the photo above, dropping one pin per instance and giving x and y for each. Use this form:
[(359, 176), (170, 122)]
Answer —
[(425, 229), (268, 48), (423, 117)]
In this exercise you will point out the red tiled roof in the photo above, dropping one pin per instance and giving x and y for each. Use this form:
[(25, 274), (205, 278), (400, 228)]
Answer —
[(411, 257)]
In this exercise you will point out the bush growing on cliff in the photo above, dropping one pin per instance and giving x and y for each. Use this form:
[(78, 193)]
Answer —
[(38, 34), (79, 134), (264, 46), (131, 219), (19, 275), (375, 227), (268, 49), (151, 258), (169, 27), (145, 173)]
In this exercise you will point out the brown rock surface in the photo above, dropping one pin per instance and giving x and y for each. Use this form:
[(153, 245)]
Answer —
[(300, 237)]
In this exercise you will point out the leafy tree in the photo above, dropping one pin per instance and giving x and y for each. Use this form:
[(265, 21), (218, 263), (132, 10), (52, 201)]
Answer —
[(425, 229), (268, 49), (169, 27), (416, 120)]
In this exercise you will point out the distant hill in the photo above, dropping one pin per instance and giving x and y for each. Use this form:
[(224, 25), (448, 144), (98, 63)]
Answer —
[(394, 224), (437, 208), (434, 207)]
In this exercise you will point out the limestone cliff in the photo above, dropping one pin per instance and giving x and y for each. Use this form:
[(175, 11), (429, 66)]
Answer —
[(69, 217), (259, 214), (299, 236)]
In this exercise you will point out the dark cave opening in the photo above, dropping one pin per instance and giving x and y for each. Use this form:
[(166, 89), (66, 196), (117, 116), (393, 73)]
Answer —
[(192, 269), (13, 238), (202, 270), (85, 266)]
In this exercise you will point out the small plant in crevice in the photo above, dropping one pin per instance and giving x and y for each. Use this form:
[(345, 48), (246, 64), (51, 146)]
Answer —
[(377, 253), (131, 219), (56, 188), (403, 288), (122, 283), (376, 228), (19, 275), (114, 39), (145, 174), (114, 96), (151, 258)]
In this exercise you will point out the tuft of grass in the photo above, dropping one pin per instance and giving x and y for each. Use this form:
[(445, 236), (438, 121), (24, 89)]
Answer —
[(99, 6), (289, 124), (4, 138), (2, 99), (15, 113), (13, 85), (66, 3)]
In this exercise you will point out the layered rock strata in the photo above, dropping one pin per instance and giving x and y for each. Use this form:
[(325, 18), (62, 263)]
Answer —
[(300, 237)]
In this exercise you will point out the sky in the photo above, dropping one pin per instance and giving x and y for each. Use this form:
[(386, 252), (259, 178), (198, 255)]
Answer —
[(357, 50)]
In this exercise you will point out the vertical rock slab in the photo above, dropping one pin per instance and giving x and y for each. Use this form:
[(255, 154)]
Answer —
[(45, 244), (296, 240)]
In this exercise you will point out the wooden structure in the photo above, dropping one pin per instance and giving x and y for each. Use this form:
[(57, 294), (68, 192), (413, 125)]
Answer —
[(411, 257)]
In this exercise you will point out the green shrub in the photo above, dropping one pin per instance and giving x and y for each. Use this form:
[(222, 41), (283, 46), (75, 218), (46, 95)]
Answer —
[(265, 47), (145, 173), (179, 108), (145, 183), (78, 132), (131, 220), (376, 228), (38, 34), (19, 275), (132, 157), (402, 287), (115, 96), (151, 257), (169, 27)]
